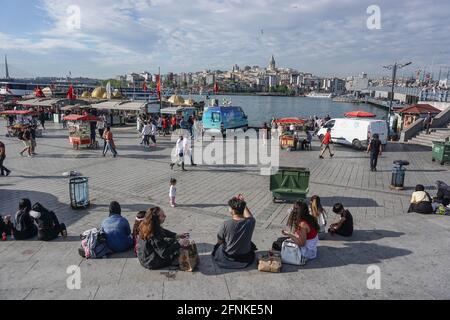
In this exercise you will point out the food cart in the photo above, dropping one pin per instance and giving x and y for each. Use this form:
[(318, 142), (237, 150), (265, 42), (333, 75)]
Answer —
[(289, 139), (18, 120), (80, 129)]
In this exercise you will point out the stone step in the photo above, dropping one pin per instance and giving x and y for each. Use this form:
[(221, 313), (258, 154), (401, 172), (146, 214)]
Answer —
[(420, 142), (432, 137)]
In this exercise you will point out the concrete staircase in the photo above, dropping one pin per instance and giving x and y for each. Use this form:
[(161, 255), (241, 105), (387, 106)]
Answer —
[(438, 134)]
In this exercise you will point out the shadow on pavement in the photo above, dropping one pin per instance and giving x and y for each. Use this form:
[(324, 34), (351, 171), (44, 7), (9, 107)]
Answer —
[(349, 202), (365, 235)]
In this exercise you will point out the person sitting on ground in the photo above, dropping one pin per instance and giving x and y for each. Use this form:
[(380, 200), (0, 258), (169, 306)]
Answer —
[(24, 227), (117, 230), (6, 225), (157, 247), (235, 249), (303, 231), (318, 212), (48, 224), (344, 227), (137, 223), (421, 201)]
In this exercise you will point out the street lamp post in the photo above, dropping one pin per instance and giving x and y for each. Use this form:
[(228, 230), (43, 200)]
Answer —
[(394, 69)]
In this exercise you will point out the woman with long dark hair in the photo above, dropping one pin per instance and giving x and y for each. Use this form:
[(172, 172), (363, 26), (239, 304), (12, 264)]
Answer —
[(158, 247), (303, 231), (318, 212)]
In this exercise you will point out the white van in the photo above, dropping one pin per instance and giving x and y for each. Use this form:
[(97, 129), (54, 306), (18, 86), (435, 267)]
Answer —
[(355, 132)]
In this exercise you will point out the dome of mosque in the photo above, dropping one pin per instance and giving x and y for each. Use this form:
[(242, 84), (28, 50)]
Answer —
[(98, 93)]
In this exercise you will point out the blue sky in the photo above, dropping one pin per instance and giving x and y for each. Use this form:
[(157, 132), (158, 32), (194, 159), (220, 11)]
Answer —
[(326, 37)]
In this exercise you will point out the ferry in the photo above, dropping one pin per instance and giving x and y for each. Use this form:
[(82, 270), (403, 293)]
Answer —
[(21, 89), (319, 95)]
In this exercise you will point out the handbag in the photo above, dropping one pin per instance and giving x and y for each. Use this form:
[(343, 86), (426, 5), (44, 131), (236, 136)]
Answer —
[(270, 264), (189, 258), (290, 253)]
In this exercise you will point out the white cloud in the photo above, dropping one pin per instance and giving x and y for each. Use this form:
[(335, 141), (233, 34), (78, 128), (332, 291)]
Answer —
[(196, 34)]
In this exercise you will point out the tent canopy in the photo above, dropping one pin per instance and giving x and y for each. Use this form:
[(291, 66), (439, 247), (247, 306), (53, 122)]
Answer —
[(289, 121), (360, 114), (18, 113), (75, 117)]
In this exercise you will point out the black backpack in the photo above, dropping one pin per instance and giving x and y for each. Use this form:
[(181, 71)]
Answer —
[(20, 136)]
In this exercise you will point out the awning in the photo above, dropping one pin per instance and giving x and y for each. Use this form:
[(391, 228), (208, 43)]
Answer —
[(38, 102), (78, 106), (360, 114), (75, 117), (123, 106)]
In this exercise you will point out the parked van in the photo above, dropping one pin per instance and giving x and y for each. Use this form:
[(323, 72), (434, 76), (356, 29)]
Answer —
[(222, 118), (355, 132)]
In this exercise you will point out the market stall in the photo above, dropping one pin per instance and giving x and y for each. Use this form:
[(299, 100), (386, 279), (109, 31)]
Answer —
[(289, 132), (18, 120), (80, 129)]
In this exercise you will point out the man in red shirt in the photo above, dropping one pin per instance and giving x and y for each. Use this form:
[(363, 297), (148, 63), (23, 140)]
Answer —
[(326, 144)]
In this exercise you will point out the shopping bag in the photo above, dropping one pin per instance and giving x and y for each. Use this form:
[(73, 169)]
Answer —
[(189, 258), (270, 263), (290, 254)]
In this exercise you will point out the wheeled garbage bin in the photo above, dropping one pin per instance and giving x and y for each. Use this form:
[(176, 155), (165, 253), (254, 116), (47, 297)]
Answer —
[(79, 193), (441, 152), (398, 174), (290, 184)]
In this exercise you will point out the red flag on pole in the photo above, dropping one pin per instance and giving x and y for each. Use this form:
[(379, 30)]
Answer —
[(144, 87), (70, 93), (38, 92), (158, 86), (216, 88)]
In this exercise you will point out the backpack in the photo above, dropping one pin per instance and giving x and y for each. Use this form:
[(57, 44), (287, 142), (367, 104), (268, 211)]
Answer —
[(20, 136), (93, 243)]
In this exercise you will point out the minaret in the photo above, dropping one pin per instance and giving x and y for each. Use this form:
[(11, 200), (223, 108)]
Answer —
[(6, 68)]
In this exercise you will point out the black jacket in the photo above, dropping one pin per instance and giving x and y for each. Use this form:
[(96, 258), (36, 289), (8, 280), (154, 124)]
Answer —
[(159, 251), (24, 227)]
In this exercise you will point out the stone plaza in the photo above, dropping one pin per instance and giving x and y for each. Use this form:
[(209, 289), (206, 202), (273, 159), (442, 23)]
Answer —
[(410, 250)]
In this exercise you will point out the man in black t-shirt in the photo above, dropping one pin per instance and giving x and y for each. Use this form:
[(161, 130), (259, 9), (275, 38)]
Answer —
[(345, 225), (375, 149)]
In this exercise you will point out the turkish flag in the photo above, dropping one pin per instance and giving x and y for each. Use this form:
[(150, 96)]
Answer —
[(216, 88), (144, 87), (38, 92), (70, 93), (158, 86)]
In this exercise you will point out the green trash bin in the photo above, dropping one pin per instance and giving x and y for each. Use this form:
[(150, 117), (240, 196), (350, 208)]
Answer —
[(290, 184), (441, 151)]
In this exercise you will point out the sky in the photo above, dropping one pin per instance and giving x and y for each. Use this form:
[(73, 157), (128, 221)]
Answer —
[(326, 37)]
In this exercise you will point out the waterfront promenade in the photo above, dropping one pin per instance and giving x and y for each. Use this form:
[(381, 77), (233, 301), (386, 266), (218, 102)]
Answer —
[(412, 251)]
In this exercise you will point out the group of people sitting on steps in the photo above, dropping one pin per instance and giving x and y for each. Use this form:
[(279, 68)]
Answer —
[(421, 201), (157, 247), (31, 221)]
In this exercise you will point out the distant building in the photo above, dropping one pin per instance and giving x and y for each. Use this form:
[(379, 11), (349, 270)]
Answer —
[(272, 81), (358, 83)]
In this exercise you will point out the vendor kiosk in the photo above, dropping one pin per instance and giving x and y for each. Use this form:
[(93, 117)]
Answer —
[(80, 129), (18, 120)]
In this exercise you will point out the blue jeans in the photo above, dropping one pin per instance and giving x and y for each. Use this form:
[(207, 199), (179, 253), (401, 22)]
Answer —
[(109, 147)]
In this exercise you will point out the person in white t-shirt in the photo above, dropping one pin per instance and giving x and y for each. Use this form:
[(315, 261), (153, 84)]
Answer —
[(173, 192), (146, 131)]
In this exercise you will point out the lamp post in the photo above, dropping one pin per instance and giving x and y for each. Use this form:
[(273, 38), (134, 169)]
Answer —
[(394, 69)]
